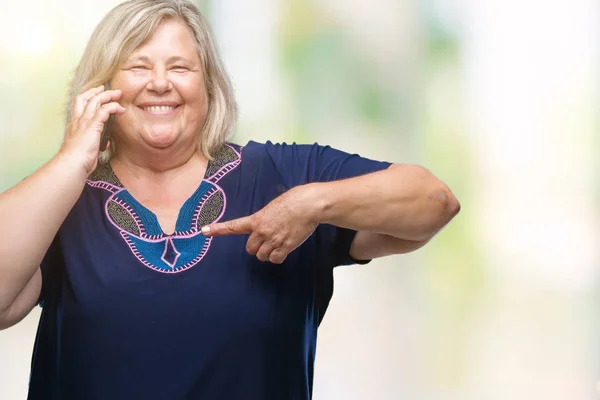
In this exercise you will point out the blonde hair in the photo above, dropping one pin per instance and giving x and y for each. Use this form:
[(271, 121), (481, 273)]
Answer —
[(129, 25)]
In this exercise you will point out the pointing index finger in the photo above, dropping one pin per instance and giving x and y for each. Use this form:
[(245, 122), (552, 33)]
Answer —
[(233, 227)]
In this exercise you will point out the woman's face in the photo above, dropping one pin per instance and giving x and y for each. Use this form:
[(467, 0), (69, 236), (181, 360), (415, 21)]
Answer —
[(164, 92)]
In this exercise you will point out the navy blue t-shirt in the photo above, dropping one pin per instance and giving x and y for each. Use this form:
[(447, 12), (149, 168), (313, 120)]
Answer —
[(132, 313)]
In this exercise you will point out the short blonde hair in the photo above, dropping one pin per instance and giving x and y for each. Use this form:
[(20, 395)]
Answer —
[(129, 25)]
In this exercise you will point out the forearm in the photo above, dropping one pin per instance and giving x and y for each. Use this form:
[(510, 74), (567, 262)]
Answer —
[(30, 215), (23, 303), (405, 202)]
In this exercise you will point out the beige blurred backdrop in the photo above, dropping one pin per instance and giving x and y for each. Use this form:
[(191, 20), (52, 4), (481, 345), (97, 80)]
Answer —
[(497, 98)]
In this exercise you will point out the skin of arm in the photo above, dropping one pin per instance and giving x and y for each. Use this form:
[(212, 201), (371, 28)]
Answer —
[(396, 210), (31, 213)]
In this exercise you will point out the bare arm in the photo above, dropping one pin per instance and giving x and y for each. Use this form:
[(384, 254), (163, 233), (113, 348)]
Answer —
[(394, 211), (405, 201), (32, 211), (24, 302), (370, 245), (30, 214)]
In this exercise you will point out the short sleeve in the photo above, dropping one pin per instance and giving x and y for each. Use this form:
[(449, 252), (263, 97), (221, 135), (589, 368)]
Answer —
[(301, 164)]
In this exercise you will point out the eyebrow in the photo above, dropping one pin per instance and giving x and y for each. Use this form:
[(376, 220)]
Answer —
[(175, 59), (140, 58), (170, 60)]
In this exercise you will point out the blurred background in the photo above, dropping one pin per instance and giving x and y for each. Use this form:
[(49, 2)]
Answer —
[(499, 99)]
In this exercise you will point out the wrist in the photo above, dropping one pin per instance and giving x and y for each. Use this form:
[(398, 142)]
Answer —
[(70, 165), (319, 197)]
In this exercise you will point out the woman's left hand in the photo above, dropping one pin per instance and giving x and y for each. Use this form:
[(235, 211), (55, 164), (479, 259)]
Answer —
[(276, 230)]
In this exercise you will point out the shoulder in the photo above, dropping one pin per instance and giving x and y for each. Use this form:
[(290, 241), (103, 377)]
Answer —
[(254, 148), (270, 145), (284, 151), (311, 157)]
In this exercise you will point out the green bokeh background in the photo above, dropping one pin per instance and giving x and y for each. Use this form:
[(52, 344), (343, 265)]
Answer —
[(461, 318)]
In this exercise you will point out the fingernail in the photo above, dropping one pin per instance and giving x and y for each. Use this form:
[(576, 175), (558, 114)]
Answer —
[(206, 230)]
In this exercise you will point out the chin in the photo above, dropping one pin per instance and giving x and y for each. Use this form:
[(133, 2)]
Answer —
[(161, 140)]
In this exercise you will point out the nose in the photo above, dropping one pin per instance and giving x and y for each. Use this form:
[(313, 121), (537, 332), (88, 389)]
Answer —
[(159, 82)]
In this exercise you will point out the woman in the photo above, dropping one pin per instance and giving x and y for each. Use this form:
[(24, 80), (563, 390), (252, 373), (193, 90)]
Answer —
[(176, 265)]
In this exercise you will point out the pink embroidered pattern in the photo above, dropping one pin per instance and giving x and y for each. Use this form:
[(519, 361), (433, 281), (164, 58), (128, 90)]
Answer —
[(141, 231)]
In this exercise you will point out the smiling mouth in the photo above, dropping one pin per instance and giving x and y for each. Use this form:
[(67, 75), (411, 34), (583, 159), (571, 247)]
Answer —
[(159, 110)]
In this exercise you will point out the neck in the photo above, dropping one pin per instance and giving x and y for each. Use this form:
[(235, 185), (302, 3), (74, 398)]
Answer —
[(157, 164)]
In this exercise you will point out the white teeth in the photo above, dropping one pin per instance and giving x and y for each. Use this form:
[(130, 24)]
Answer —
[(159, 109)]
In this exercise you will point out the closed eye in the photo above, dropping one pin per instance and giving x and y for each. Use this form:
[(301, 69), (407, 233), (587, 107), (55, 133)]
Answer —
[(179, 68)]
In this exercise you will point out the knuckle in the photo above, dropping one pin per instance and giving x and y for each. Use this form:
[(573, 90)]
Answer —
[(250, 250), (279, 241), (263, 254), (277, 258), (252, 241), (95, 102), (103, 109), (100, 116), (267, 231), (92, 100), (106, 109)]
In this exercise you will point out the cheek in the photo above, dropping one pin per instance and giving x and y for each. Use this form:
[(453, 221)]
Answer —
[(191, 90), (131, 84), (199, 102)]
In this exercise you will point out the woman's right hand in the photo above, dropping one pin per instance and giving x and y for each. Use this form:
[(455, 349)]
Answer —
[(91, 110)]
